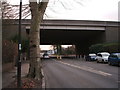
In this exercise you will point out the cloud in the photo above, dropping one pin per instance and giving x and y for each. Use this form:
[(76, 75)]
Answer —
[(91, 10)]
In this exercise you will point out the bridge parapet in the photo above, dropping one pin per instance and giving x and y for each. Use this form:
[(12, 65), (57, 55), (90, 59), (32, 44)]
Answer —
[(63, 22)]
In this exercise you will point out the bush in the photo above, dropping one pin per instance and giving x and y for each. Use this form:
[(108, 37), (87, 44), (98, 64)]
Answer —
[(112, 47), (104, 47), (9, 51), (96, 48)]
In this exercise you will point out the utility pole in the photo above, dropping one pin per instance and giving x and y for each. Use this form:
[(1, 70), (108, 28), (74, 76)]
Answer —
[(19, 49)]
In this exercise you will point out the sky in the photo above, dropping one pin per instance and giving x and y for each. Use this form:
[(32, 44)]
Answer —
[(45, 47), (105, 10), (102, 10), (49, 47)]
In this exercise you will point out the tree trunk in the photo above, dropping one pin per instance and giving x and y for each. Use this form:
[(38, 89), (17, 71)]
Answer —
[(37, 11)]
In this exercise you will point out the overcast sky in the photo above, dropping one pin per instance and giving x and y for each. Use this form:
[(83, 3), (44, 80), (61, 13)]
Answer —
[(106, 10), (49, 47)]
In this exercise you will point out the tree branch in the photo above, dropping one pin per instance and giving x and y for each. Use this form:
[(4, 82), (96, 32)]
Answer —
[(42, 6)]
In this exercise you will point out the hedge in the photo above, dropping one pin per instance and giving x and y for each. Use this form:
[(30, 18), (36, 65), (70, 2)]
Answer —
[(105, 47)]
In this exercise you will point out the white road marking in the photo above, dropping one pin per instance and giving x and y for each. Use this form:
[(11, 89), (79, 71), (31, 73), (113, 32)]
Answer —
[(86, 68)]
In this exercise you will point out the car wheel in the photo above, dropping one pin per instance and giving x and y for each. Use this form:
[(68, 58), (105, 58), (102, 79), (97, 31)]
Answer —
[(97, 61), (119, 64), (102, 60), (109, 63)]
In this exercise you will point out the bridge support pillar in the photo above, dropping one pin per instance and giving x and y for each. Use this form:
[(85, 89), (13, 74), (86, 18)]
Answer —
[(112, 34)]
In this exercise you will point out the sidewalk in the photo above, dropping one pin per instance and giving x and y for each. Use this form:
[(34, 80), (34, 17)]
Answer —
[(9, 77)]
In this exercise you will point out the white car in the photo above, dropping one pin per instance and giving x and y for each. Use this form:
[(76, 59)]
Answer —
[(46, 56), (102, 57)]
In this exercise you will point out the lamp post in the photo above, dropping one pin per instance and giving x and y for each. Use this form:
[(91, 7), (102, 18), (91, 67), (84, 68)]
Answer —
[(19, 49)]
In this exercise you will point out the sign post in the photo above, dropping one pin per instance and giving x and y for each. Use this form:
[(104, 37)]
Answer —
[(19, 49)]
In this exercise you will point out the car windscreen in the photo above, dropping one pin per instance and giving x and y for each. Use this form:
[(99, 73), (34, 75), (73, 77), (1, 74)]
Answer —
[(113, 56), (117, 54), (105, 54), (99, 55)]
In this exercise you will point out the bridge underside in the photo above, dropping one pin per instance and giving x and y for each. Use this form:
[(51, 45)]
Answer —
[(81, 38), (67, 37)]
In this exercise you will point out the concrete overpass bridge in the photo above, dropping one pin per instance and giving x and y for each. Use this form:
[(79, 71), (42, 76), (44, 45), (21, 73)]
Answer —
[(81, 33)]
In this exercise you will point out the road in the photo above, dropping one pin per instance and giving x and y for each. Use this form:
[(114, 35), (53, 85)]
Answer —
[(73, 73)]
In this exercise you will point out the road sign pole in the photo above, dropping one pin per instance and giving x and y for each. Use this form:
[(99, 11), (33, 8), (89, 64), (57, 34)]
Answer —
[(19, 49)]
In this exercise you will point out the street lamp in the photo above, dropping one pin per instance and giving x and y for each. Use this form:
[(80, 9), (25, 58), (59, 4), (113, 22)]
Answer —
[(19, 49)]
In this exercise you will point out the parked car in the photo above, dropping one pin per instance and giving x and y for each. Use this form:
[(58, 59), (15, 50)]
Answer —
[(114, 59), (102, 57), (46, 56), (91, 57)]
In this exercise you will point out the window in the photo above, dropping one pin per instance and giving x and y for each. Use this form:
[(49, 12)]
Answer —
[(99, 55)]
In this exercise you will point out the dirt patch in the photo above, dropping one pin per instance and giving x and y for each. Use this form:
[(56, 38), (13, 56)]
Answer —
[(27, 83)]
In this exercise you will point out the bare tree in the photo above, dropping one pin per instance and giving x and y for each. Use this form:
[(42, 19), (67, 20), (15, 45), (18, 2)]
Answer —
[(12, 11), (6, 8), (37, 11)]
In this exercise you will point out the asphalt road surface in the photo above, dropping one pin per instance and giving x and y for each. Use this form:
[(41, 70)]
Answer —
[(73, 73)]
